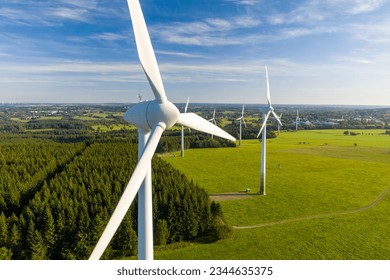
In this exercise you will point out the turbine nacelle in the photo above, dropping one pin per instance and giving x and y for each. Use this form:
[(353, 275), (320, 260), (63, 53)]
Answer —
[(146, 115)]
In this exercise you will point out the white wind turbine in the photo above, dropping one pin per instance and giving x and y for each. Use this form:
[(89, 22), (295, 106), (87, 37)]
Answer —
[(213, 121), (263, 130), (151, 118), (280, 118), (182, 130), (242, 120)]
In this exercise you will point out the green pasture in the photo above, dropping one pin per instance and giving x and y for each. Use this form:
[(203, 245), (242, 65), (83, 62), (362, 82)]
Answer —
[(19, 120), (113, 127), (98, 116), (51, 118), (40, 130), (308, 173), (89, 118)]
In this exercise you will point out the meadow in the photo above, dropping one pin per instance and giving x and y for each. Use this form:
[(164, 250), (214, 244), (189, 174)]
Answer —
[(318, 186)]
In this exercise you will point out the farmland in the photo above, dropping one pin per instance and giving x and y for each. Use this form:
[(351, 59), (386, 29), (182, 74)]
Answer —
[(327, 189), (309, 173)]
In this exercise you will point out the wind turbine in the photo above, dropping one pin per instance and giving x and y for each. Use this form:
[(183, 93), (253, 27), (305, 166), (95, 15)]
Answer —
[(296, 121), (280, 118), (263, 130), (242, 120), (151, 118), (182, 130), (212, 120)]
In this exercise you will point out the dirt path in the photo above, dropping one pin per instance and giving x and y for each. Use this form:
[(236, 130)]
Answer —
[(325, 215)]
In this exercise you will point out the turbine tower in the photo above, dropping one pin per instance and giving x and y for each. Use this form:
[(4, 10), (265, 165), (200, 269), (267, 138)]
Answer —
[(151, 118), (242, 120), (263, 130), (182, 130)]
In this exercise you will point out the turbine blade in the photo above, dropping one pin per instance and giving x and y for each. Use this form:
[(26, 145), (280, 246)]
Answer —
[(268, 92), (145, 50), (196, 122), (264, 123), (277, 118), (130, 192), (243, 120), (242, 113), (185, 109)]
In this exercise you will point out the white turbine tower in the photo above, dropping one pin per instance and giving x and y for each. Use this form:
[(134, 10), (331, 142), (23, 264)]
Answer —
[(242, 120), (151, 118), (263, 130), (212, 120), (182, 130)]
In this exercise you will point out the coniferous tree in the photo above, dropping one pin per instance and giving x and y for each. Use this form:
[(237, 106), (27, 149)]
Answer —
[(49, 233), (14, 241), (5, 253), (161, 233), (3, 230), (37, 246)]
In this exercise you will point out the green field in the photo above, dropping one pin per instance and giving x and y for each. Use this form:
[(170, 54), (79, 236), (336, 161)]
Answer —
[(315, 182), (114, 127)]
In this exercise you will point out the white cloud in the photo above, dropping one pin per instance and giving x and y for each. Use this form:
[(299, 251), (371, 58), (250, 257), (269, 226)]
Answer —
[(354, 6), (68, 14), (10, 16), (108, 36), (377, 32), (209, 32), (315, 11), (48, 13), (295, 32), (181, 54), (86, 4), (246, 22), (218, 24), (245, 2)]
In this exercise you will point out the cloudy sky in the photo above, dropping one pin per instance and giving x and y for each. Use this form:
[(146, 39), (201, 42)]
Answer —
[(317, 51)]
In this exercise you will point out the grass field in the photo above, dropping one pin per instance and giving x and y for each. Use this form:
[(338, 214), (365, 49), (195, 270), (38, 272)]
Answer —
[(309, 173), (105, 128)]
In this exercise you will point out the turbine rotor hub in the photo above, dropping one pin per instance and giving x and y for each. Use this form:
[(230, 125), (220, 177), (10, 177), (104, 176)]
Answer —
[(146, 115)]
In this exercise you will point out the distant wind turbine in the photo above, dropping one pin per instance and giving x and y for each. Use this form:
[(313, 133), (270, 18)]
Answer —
[(263, 130), (280, 118), (182, 130), (242, 120), (213, 121), (151, 118)]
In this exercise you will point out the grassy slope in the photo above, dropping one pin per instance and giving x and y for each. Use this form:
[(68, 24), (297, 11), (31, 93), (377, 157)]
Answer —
[(314, 178)]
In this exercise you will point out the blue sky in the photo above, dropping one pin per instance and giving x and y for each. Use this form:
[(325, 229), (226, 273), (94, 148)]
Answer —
[(317, 52)]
